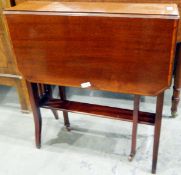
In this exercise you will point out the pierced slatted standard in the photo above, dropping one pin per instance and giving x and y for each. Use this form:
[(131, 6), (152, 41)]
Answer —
[(117, 47)]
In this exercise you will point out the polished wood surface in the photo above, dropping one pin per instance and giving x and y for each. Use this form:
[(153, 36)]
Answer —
[(177, 74), (178, 2), (62, 93), (176, 90), (34, 100), (157, 130), (87, 47), (97, 110), (134, 116), (101, 49), (89, 7)]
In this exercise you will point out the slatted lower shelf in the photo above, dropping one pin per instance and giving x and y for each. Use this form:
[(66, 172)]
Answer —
[(98, 110)]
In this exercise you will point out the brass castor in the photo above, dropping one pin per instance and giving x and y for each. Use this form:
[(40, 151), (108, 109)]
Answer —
[(174, 114), (68, 128), (38, 146), (131, 156)]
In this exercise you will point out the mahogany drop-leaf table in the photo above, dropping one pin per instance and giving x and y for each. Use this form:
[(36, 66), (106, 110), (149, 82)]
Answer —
[(118, 47)]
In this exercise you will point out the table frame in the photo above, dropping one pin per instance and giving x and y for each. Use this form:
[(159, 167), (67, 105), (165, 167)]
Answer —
[(45, 100)]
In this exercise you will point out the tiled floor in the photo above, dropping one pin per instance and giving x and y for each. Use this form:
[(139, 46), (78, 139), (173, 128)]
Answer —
[(95, 146)]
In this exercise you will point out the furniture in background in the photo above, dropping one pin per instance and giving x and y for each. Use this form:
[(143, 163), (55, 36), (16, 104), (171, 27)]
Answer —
[(117, 47), (9, 74), (177, 72), (177, 77)]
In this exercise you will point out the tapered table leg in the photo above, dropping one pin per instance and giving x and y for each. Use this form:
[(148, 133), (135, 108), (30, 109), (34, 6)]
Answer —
[(34, 100), (48, 89), (55, 113), (157, 129), (135, 125), (177, 82), (65, 114)]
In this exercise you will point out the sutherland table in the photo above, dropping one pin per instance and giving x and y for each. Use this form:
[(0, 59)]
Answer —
[(117, 47)]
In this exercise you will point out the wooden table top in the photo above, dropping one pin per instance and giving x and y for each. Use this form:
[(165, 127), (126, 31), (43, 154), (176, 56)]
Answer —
[(108, 49), (178, 2), (98, 7)]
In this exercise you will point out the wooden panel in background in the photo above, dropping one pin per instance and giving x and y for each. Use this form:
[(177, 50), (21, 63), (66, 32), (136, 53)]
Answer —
[(8, 65), (9, 75), (3, 61)]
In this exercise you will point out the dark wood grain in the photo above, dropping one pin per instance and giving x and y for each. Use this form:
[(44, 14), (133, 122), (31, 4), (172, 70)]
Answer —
[(34, 100), (62, 93), (119, 54), (112, 50), (176, 89), (98, 110), (157, 130), (178, 2), (135, 126), (48, 89), (97, 7), (177, 83)]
